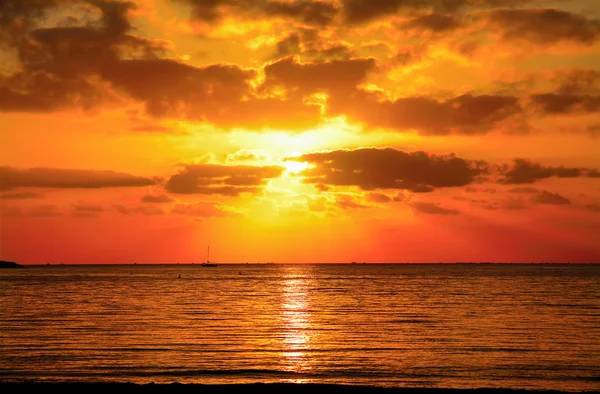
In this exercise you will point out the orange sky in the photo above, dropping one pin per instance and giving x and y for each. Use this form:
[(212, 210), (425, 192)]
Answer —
[(299, 131)]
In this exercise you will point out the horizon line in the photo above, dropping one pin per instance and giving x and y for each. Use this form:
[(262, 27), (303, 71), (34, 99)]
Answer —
[(324, 263)]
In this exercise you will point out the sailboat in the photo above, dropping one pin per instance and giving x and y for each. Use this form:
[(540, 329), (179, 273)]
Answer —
[(207, 263)]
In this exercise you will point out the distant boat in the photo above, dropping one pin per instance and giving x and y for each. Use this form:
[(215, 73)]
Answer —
[(207, 263)]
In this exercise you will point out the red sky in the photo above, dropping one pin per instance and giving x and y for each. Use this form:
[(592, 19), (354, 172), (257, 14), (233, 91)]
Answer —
[(299, 131)]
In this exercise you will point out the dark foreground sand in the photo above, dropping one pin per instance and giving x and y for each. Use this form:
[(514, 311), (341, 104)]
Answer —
[(283, 388)]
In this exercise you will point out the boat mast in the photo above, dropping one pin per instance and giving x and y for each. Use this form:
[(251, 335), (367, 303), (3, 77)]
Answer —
[(207, 253)]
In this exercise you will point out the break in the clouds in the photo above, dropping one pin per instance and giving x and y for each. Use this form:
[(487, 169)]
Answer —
[(11, 177), (220, 179)]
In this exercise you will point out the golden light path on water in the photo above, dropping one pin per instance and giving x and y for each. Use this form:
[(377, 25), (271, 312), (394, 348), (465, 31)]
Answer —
[(295, 324)]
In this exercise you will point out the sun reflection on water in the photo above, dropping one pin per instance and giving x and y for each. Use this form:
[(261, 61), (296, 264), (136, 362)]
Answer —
[(295, 326)]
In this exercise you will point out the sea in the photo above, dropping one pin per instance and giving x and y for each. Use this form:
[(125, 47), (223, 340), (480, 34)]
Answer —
[(517, 326)]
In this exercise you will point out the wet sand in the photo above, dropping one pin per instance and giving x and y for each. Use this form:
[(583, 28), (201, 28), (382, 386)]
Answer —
[(284, 388)]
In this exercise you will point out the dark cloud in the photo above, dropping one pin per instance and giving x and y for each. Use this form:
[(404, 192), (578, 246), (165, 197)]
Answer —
[(371, 168), (19, 195), (508, 203), (465, 114), (219, 179), (85, 210), (338, 77), (384, 198), (399, 197), (157, 198), (17, 15), (84, 207), (575, 91), (245, 155), (555, 103), (170, 87), (313, 46), (592, 207), (331, 51), (322, 187), (545, 197), (420, 172), (11, 211), (377, 197), (150, 210), (578, 81), (220, 94), (323, 13), (74, 49), (66, 179), (525, 190), (122, 209), (525, 171), (433, 209), (40, 91), (45, 211), (545, 26), (87, 63), (289, 45), (361, 11), (315, 13), (203, 210), (143, 210), (345, 201), (60, 65), (437, 23)]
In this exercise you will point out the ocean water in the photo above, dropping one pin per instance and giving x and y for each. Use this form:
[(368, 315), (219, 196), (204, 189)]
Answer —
[(450, 326)]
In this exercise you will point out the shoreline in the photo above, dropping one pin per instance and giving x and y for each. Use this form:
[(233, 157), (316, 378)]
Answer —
[(288, 388)]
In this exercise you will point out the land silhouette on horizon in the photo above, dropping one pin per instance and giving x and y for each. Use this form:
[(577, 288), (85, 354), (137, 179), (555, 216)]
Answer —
[(9, 264)]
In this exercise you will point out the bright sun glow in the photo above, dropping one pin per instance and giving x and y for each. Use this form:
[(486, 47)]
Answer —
[(295, 166)]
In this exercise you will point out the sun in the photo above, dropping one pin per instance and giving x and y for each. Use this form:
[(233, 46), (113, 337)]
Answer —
[(295, 167)]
